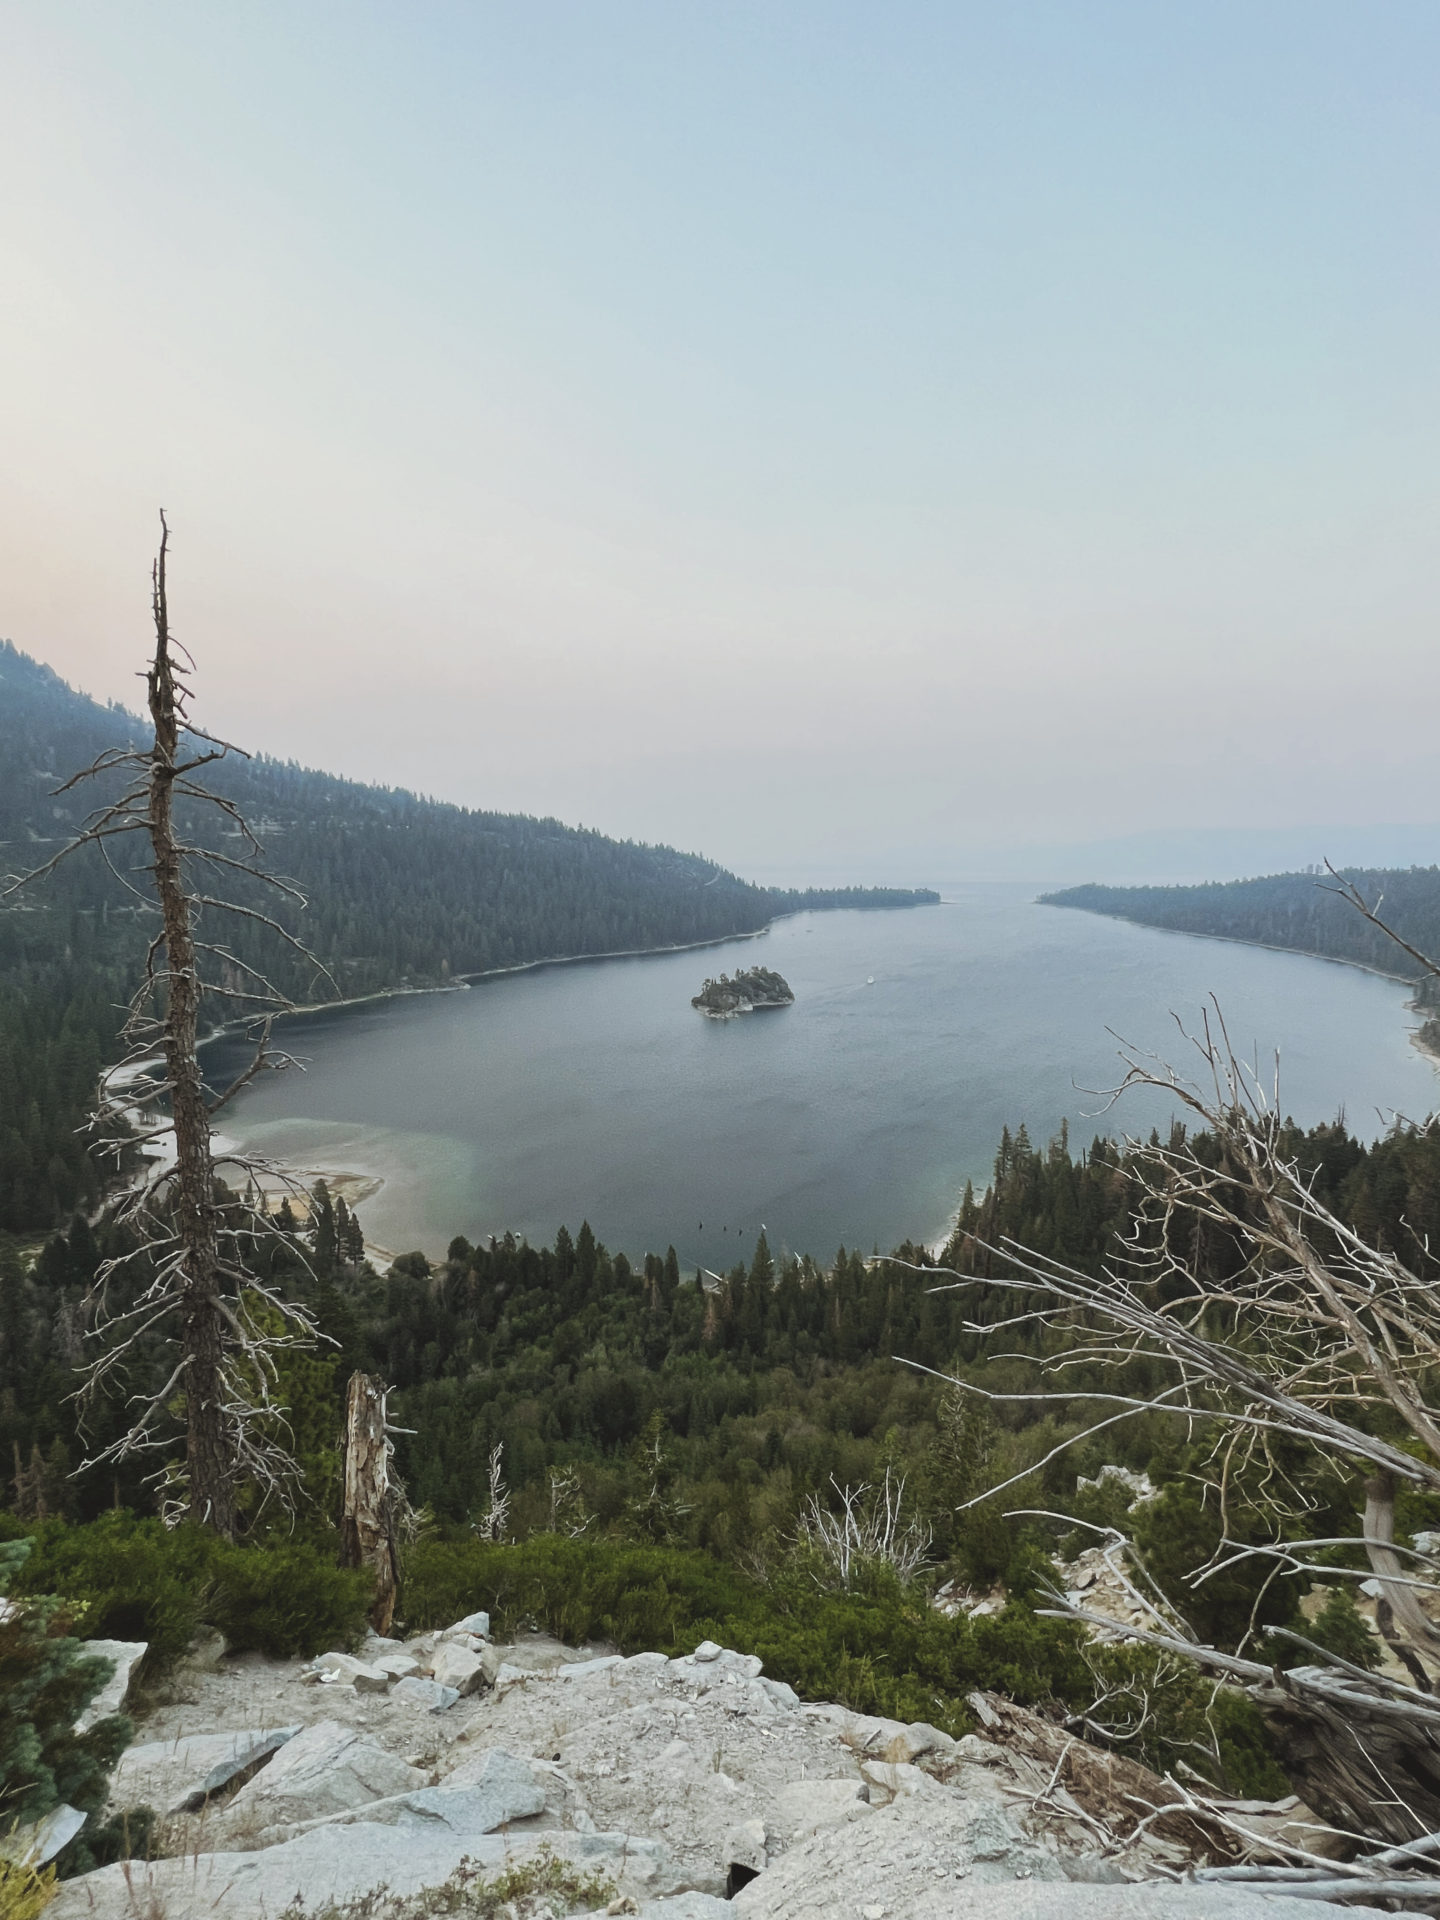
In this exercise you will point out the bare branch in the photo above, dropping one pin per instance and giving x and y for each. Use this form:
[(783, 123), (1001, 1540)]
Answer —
[(177, 1306), (1349, 892)]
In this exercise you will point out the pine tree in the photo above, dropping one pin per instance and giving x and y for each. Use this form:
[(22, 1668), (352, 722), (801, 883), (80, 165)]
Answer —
[(47, 1679)]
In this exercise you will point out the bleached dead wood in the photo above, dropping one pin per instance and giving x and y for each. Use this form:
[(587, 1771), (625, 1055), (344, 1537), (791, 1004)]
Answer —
[(179, 1308), (1311, 1335), (867, 1527), (374, 1509)]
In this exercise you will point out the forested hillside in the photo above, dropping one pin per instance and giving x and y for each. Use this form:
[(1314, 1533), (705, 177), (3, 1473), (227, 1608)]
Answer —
[(763, 1385), (1296, 910), (402, 891), (636, 1406)]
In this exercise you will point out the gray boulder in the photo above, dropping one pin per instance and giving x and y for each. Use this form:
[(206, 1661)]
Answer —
[(127, 1655), (502, 1795), (179, 1776), (476, 1623), (331, 1865), (456, 1666), (327, 1769), (920, 1856), (708, 1663), (398, 1665), (504, 1783), (467, 1811), (781, 1694), (327, 1866), (808, 1806), (887, 1780), (942, 1858), (585, 1669), (428, 1695), (745, 1847), (37, 1843), (508, 1676), (646, 1663), (345, 1670), (1146, 1900), (464, 1810)]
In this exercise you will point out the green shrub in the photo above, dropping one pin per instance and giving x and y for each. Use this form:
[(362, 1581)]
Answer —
[(135, 1579), (47, 1679), (881, 1651), (638, 1596), (1249, 1764), (1340, 1628), (1178, 1533), (129, 1579), (1163, 1711), (24, 1894), (285, 1599)]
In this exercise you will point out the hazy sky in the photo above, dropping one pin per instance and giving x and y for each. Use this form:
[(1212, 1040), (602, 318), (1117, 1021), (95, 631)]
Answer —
[(808, 433)]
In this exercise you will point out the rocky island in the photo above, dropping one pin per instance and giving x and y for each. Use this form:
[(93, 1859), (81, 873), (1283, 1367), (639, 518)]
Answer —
[(722, 999)]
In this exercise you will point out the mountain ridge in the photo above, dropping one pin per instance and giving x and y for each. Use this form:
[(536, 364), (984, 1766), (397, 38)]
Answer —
[(403, 892), (1302, 912)]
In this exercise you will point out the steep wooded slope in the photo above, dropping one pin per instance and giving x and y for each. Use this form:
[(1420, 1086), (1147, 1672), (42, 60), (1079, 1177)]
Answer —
[(402, 891)]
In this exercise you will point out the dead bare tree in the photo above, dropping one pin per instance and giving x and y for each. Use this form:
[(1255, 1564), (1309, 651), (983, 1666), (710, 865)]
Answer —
[(1313, 1336), (195, 1302), (868, 1529), (569, 1515), (493, 1521), (376, 1515)]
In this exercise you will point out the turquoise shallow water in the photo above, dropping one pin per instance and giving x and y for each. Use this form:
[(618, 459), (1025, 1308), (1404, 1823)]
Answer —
[(855, 1116)]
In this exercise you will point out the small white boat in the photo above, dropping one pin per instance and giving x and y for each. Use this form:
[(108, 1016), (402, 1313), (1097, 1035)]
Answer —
[(871, 981)]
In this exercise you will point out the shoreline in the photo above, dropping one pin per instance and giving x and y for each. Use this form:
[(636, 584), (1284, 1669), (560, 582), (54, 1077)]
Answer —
[(1421, 1046), (1236, 940), (366, 1186), (370, 1183), (353, 1188), (461, 982)]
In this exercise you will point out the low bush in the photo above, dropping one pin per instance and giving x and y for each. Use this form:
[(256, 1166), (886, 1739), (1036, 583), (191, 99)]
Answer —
[(527, 1891), (1166, 1713), (880, 1651), (123, 1578), (24, 1894), (132, 1579), (286, 1598), (877, 1649), (1340, 1628), (47, 1678)]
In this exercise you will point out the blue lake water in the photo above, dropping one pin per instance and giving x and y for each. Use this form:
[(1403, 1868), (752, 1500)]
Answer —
[(596, 1092)]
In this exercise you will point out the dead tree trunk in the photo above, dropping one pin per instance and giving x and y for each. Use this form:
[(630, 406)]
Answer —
[(1364, 1769), (209, 1453), (197, 1323), (367, 1527)]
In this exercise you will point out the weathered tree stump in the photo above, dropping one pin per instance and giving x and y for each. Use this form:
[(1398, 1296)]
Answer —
[(367, 1526), (1367, 1766)]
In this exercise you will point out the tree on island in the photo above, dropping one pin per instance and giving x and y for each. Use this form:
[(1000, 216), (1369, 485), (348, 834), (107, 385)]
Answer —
[(755, 987)]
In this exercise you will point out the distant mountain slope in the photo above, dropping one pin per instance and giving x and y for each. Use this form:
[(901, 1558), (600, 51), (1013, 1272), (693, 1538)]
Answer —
[(1299, 911), (402, 891)]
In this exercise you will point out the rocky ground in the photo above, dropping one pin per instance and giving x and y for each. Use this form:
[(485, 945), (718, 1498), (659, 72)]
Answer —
[(451, 1775)]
